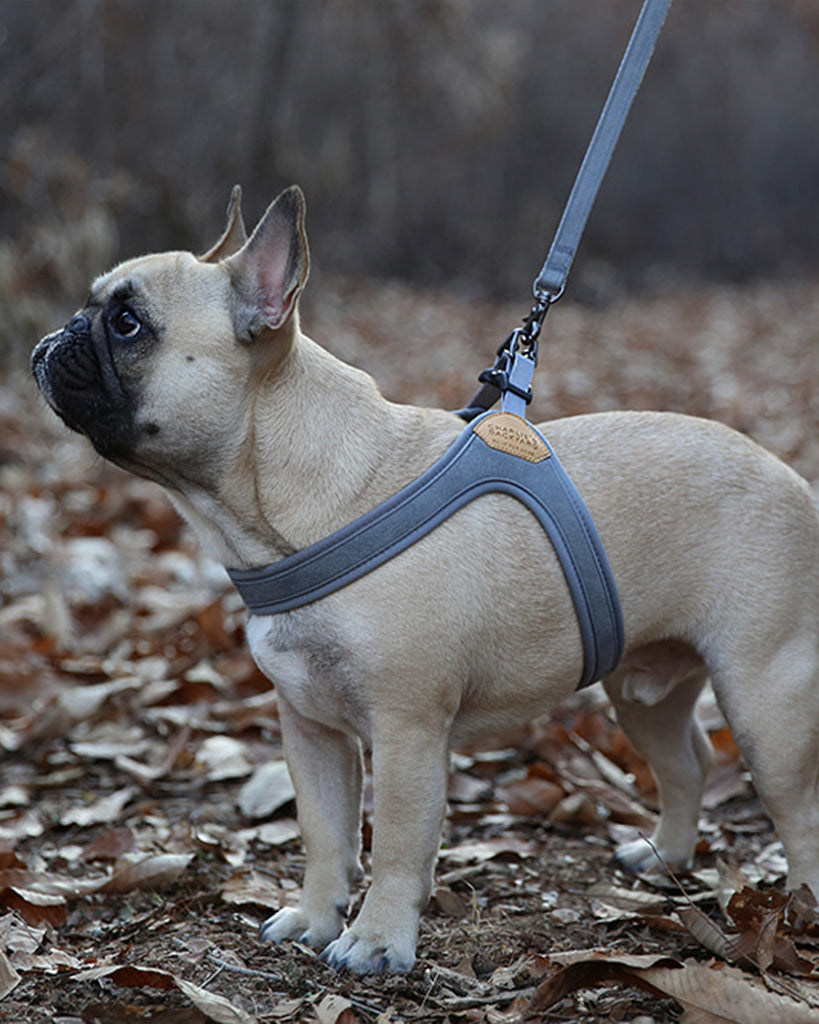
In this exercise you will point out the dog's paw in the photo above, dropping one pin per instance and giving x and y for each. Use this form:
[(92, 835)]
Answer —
[(645, 858), (294, 923), (355, 952)]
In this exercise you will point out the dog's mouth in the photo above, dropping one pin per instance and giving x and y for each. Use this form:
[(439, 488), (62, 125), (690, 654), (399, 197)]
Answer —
[(82, 387)]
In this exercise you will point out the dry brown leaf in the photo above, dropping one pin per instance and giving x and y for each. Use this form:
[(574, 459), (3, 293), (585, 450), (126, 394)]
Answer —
[(9, 978), (467, 789), (760, 919), (578, 809), (251, 888), (20, 826), (129, 976), (72, 705), (728, 994), (586, 968), (536, 794), (471, 852), (215, 1008), (268, 789), (156, 871), (35, 907), (711, 936), (17, 936), (14, 796), (618, 805), (636, 900), (145, 774), (110, 845), (709, 992), (332, 1008), (449, 902), (802, 912), (731, 880), (273, 833), (9, 859), (221, 758), (103, 811)]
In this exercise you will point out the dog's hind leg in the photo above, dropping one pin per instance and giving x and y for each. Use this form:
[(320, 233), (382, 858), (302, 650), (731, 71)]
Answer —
[(654, 693), (771, 703)]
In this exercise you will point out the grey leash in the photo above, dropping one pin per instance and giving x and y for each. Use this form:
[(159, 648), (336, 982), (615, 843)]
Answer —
[(510, 377)]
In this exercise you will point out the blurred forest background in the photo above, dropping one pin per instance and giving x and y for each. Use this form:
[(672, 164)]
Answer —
[(436, 139)]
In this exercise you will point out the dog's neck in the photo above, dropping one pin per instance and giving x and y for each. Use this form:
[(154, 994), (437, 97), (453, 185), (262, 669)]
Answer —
[(321, 446)]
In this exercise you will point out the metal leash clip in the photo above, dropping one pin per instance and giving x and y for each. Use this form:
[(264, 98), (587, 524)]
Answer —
[(511, 375), (505, 372)]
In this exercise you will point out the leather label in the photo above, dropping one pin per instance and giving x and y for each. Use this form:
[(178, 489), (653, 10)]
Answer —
[(506, 432)]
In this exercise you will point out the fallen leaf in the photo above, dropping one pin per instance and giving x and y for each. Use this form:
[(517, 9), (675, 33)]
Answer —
[(268, 789), (215, 1007), (109, 845), (586, 968), (713, 993), (20, 826), (221, 758), (273, 833), (536, 794), (156, 871), (711, 936), (726, 993), (466, 789), (35, 907), (578, 809), (9, 978), (332, 1008), (449, 902), (16, 935), (103, 811), (145, 774), (251, 888), (471, 852), (130, 975), (14, 796)]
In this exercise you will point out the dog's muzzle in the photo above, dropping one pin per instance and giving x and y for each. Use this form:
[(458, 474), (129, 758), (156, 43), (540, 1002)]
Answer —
[(75, 373), (65, 360)]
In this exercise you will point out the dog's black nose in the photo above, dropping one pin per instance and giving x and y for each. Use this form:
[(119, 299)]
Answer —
[(78, 324)]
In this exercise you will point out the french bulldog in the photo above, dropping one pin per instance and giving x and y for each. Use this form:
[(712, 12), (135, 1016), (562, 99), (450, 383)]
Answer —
[(194, 372)]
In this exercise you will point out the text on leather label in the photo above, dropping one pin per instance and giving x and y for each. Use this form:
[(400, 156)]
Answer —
[(508, 433)]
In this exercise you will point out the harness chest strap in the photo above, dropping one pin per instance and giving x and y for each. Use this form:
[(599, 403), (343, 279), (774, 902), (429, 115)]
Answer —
[(498, 452)]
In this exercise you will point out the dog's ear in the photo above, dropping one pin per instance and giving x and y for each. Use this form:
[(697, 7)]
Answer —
[(234, 236), (270, 270)]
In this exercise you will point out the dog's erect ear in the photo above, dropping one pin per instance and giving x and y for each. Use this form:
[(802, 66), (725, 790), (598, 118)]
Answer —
[(270, 271), (234, 236)]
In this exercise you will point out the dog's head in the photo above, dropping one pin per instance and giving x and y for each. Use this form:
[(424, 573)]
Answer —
[(160, 366)]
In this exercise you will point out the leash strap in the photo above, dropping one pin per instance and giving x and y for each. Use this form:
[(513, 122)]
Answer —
[(551, 282), (552, 278), (498, 452)]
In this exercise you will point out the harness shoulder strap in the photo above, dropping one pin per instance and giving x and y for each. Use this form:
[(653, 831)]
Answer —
[(498, 452)]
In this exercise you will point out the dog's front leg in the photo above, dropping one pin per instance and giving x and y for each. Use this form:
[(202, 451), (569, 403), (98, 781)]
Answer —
[(325, 765), (410, 765)]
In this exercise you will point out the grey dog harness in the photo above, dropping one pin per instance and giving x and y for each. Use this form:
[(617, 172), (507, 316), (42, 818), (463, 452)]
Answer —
[(498, 452)]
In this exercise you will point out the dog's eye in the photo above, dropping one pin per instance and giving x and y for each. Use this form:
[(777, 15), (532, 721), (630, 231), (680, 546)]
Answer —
[(125, 323)]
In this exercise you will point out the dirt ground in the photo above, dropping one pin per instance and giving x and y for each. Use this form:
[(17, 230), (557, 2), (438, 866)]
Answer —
[(147, 827)]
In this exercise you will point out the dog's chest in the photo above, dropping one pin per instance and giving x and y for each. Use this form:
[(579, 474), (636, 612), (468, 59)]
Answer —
[(310, 669)]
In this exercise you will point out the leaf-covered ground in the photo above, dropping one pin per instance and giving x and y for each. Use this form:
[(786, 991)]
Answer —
[(147, 824)]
